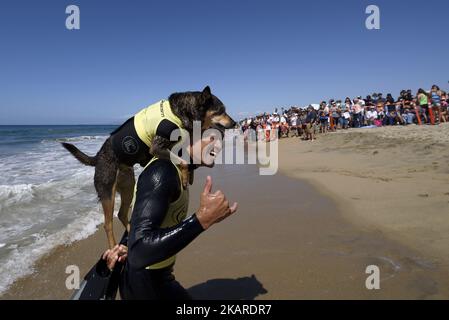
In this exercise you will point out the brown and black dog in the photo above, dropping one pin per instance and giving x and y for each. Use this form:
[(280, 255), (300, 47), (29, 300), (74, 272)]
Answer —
[(114, 168)]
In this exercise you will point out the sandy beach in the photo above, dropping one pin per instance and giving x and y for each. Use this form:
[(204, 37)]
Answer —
[(345, 201), (393, 179)]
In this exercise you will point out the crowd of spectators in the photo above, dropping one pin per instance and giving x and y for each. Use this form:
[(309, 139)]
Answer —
[(425, 107)]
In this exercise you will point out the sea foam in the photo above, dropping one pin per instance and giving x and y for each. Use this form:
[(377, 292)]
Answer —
[(47, 199)]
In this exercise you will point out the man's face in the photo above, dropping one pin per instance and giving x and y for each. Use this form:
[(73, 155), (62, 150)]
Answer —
[(206, 149)]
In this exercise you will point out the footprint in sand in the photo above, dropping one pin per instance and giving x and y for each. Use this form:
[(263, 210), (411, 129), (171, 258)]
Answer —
[(423, 195)]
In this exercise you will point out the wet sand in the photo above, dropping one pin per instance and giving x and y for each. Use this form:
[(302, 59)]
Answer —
[(298, 245), (287, 241)]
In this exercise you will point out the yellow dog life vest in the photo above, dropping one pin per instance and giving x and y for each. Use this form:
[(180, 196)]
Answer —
[(147, 120)]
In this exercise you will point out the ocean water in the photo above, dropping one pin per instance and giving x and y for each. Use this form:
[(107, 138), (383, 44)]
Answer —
[(47, 197)]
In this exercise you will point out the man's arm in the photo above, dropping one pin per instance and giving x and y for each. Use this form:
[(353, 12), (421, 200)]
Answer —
[(157, 187)]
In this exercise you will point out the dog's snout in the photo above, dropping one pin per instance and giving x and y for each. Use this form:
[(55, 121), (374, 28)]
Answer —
[(233, 123)]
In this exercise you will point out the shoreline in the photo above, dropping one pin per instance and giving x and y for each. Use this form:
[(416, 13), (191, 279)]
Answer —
[(313, 219)]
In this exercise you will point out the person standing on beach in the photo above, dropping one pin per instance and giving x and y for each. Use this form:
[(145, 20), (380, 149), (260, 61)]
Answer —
[(345, 118), (309, 122), (436, 102), (323, 115), (423, 102), (294, 124), (335, 113), (159, 229), (444, 106)]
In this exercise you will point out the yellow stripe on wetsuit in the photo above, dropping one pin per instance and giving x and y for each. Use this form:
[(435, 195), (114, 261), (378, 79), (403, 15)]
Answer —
[(177, 211)]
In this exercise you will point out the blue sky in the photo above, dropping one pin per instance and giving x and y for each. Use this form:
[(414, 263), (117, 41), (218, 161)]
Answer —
[(255, 55)]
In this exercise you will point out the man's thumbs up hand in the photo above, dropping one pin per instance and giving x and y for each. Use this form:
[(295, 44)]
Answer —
[(214, 207)]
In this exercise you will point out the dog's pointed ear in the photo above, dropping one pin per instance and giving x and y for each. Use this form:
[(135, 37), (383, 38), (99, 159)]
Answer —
[(205, 98), (206, 93)]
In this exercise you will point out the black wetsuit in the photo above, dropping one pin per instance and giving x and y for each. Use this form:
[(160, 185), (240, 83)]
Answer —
[(130, 149), (148, 243), (127, 145)]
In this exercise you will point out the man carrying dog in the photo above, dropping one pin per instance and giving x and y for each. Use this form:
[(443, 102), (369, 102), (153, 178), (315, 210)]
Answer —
[(159, 227)]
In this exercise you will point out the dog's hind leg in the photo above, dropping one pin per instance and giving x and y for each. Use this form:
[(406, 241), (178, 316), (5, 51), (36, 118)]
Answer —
[(125, 186), (108, 209), (105, 184)]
